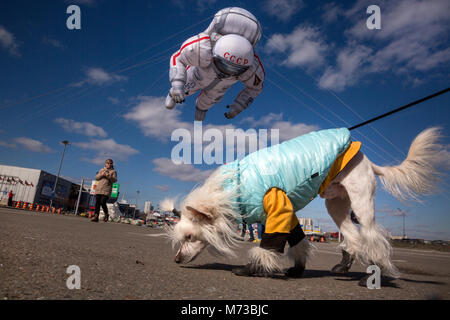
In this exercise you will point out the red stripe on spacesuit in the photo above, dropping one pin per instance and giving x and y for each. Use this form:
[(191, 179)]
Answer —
[(174, 61), (260, 63)]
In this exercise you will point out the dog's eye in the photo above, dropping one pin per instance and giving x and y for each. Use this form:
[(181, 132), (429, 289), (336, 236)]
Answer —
[(188, 237)]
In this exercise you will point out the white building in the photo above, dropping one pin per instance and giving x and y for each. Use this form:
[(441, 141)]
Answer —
[(36, 186), (147, 207)]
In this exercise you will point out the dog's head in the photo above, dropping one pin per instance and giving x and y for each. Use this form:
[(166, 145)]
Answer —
[(208, 219), (191, 233)]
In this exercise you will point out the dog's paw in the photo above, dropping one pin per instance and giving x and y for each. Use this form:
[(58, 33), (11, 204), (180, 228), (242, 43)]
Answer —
[(295, 272)]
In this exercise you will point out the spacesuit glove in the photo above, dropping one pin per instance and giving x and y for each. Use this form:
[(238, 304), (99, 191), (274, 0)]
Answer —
[(177, 91), (235, 109)]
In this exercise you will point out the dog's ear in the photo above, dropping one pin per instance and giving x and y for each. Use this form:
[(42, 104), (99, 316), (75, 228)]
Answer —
[(202, 216)]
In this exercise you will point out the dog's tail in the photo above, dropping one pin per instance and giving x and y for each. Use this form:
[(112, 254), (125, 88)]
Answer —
[(418, 174)]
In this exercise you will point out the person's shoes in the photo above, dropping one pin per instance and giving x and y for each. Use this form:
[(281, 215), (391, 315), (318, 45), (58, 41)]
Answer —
[(340, 268), (256, 241), (295, 272), (95, 218), (251, 240), (106, 218), (345, 264)]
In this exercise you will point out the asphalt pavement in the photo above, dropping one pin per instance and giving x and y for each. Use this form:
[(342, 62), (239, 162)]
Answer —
[(120, 261)]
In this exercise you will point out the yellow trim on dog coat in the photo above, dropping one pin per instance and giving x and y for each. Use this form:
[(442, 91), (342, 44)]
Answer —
[(340, 163), (280, 213)]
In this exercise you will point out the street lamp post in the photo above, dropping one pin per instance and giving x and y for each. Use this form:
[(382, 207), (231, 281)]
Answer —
[(137, 195), (79, 196), (403, 214), (65, 142)]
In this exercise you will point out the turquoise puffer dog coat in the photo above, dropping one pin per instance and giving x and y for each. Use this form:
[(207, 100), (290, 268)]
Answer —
[(297, 166)]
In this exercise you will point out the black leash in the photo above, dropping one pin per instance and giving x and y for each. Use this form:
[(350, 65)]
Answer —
[(400, 109)]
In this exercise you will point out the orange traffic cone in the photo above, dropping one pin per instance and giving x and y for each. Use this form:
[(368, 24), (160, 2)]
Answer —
[(59, 211), (18, 204), (53, 210), (38, 206)]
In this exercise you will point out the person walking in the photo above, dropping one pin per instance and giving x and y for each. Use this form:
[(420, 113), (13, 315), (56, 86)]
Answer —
[(105, 177), (10, 198), (260, 230)]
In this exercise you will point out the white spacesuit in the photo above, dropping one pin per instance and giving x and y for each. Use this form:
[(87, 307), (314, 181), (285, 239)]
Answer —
[(214, 60), (234, 20)]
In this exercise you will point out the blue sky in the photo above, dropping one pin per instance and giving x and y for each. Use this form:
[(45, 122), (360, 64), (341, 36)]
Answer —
[(102, 88)]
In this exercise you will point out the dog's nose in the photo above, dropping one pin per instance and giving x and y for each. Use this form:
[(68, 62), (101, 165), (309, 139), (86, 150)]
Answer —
[(178, 256)]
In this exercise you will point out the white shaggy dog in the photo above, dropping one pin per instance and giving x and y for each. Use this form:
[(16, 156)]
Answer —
[(208, 217)]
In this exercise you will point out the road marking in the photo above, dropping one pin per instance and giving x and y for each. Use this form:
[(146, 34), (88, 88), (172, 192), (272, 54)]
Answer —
[(422, 252), (149, 234), (410, 252)]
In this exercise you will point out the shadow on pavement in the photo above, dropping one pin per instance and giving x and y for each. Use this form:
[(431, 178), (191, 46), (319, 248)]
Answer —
[(212, 266), (350, 276), (228, 267)]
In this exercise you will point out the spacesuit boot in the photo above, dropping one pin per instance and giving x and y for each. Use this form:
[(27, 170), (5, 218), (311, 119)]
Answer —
[(170, 103), (345, 264), (200, 114)]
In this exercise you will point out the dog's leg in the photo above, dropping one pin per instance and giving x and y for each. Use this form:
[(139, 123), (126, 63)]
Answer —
[(299, 251), (375, 248), (339, 210), (262, 262), (281, 226)]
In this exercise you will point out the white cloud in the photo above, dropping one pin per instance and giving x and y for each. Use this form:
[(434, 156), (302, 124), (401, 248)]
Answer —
[(181, 172), (32, 145), (412, 40), (107, 148), (348, 70), (85, 128), (289, 130), (7, 144), (113, 100), (155, 120), (283, 10), (52, 42), (98, 76), (304, 47), (265, 121), (163, 188), (8, 41), (331, 12)]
